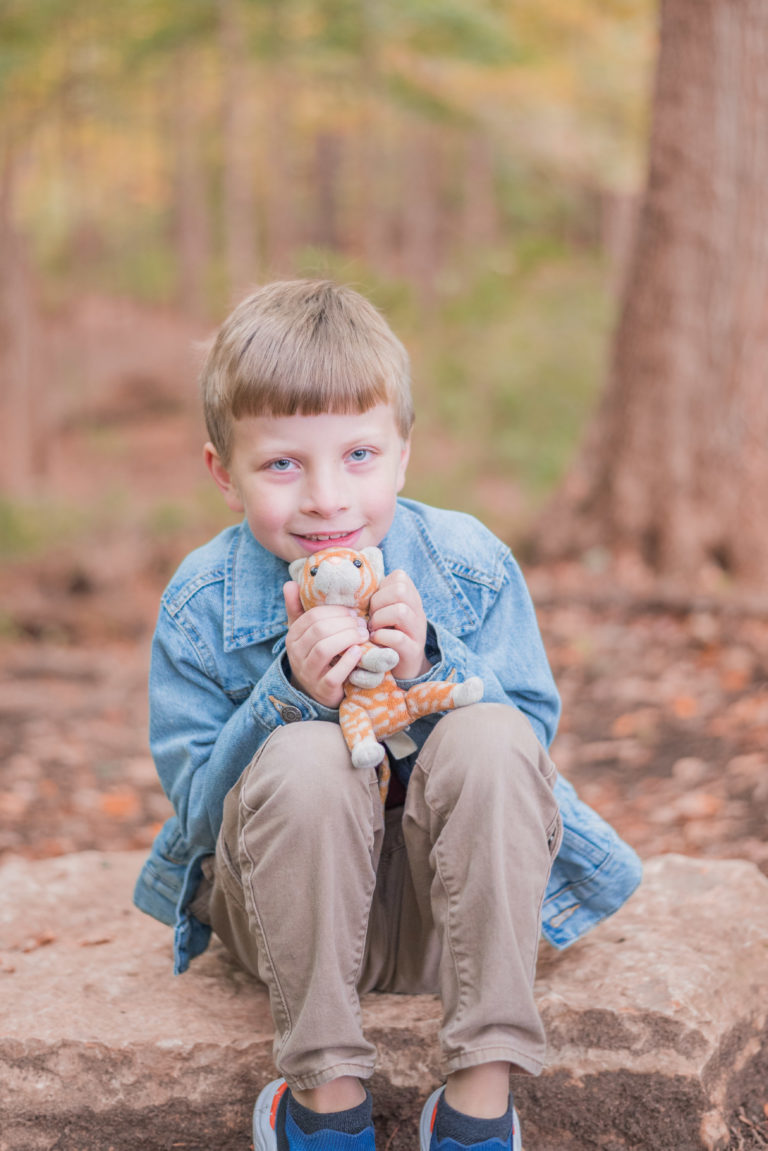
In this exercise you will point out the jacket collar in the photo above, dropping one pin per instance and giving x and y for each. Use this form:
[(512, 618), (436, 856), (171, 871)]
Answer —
[(254, 608), (409, 545)]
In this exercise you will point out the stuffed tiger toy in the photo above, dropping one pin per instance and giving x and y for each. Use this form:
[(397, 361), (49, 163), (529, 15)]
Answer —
[(374, 706)]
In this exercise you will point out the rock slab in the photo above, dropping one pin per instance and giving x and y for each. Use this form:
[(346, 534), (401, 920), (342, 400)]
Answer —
[(658, 1021)]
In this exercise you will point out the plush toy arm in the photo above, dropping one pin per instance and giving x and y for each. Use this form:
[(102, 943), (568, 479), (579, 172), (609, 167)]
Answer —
[(362, 678), (373, 665), (381, 659)]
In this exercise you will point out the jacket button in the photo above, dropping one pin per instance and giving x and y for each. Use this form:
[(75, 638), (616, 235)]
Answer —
[(289, 713)]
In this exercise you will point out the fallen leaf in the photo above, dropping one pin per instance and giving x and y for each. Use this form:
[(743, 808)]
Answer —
[(735, 679), (697, 805), (641, 723), (685, 706), (121, 804), (41, 940)]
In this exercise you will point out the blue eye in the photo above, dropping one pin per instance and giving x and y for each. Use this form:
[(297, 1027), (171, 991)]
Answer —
[(359, 454), (280, 465), (357, 563)]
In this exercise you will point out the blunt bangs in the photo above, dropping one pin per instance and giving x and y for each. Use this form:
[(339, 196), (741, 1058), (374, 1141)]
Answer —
[(303, 347)]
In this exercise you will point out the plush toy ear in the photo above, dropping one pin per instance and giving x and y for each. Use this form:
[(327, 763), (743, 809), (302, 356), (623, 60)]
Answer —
[(296, 567), (375, 558)]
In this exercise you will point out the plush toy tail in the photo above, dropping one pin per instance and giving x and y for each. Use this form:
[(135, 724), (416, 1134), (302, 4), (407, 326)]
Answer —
[(385, 774)]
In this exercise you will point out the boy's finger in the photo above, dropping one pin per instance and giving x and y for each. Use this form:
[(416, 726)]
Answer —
[(397, 615), (292, 601), (346, 663)]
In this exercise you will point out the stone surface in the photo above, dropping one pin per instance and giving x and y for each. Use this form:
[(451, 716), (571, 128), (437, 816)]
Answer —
[(657, 1021)]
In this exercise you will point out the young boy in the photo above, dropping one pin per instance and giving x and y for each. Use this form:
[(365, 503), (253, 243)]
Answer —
[(279, 845)]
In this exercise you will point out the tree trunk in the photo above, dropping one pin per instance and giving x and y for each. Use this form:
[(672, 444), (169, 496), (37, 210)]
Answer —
[(676, 466), (480, 220), (373, 168), (237, 133), (24, 427), (193, 240), (278, 176), (420, 211), (327, 166)]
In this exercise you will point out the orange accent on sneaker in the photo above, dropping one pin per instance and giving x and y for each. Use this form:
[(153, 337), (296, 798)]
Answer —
[(276, 1103)]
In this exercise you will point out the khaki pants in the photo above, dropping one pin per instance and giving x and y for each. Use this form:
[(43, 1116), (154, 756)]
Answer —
[(321, 897)]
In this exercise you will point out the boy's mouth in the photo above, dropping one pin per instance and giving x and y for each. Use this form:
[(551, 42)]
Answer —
[(314, 540)]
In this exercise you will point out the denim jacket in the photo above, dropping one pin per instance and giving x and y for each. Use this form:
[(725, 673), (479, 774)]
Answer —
[(219, 685)]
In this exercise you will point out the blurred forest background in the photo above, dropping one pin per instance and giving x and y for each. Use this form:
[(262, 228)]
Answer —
[(478, 169), (474, 167)]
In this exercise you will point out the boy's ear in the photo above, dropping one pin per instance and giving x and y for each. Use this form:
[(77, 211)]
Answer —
[(404, 457), (222, 479)]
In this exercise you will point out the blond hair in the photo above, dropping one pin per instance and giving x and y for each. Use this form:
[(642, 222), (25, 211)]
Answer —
[(307, 347)]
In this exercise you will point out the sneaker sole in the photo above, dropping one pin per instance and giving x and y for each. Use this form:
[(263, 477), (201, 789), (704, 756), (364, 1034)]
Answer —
[(427, 1122), (265, 1115)]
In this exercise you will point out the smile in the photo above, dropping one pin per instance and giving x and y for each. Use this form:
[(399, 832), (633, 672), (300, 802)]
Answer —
[(329, 537), (313, 541)]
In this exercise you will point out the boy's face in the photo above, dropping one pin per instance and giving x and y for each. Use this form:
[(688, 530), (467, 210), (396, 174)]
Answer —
[(309, 482)]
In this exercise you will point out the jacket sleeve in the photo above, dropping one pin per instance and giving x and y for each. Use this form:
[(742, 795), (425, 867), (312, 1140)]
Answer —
[(506, 651), (201, 738)]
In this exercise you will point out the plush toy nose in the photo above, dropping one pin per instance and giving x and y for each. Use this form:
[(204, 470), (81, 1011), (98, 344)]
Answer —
[(334, 559)]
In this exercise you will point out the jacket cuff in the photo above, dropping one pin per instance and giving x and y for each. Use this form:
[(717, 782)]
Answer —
[(446, 654), (276, 702)]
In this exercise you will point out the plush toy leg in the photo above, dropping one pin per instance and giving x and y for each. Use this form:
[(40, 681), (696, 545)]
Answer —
[(357, 728), (470, 691), (427, 698)]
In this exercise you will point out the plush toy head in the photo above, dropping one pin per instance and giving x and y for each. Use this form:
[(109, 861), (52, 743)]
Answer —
[(339, 576)]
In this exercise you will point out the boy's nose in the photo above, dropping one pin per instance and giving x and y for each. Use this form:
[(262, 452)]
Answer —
[(325, 495)]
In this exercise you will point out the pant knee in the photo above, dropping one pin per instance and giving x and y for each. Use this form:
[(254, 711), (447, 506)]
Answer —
[(484, 747), (305, 769)]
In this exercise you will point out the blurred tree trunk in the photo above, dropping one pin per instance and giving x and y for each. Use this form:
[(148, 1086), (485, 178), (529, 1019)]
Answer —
[(480, 219), (676, 467), (327, 167), (237, 137), (23, 414), (373, 169), (191, 202), (619, 211), (279, 198), (420, 211)]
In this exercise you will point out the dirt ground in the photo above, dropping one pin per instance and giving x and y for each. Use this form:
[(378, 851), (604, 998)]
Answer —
[(665, 696)]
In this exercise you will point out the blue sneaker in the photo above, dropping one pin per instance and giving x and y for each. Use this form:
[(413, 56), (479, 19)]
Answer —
[(265, 1115), (429, 1140), (274, 1128)]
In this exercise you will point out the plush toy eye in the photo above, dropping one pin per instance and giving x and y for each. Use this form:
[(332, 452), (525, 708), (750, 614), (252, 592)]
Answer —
[(313, 571), (357, 563)]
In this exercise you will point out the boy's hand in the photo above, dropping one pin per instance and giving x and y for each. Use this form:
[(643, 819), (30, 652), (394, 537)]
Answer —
[(397, 620), (323, 647)]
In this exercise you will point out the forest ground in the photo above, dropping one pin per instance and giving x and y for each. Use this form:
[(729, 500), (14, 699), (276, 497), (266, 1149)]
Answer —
[(665, 695)]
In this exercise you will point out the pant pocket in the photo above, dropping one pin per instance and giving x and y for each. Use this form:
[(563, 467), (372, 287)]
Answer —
[(555, 835), (200, 904)]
